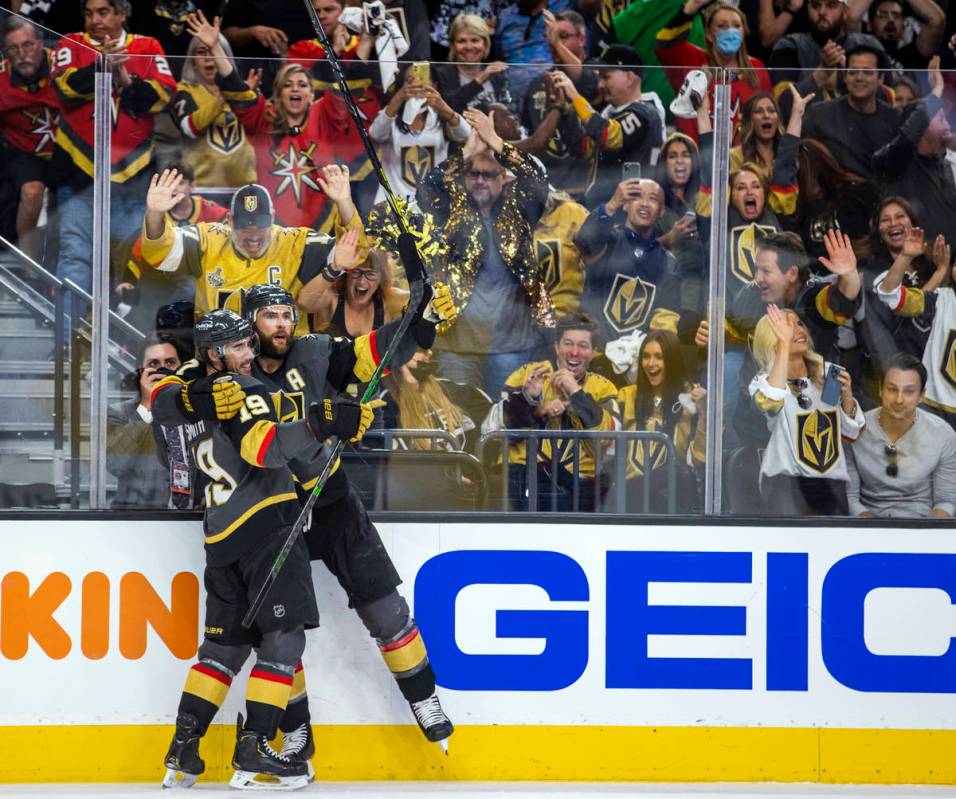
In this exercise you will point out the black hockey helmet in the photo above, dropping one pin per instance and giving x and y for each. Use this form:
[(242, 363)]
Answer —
[(215, 329), (265, 295)]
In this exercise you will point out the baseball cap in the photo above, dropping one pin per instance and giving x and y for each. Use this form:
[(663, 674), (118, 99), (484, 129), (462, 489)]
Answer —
[(252, 207), (622, 57)]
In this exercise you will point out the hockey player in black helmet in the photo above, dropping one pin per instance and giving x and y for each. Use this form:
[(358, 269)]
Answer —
[(237, 442), (341, 534)]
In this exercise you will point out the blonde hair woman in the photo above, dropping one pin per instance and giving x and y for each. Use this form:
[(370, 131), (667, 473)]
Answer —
[(417, 400), (467, 80), (803, 470), (359, 301), (215, 144)]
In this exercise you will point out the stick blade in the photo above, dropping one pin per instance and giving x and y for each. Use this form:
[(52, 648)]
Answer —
[(411, 258)]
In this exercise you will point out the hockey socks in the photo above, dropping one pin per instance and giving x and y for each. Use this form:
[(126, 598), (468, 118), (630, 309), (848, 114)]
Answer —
[(407, 659), (297, 710), (267, 695), (206, 687)]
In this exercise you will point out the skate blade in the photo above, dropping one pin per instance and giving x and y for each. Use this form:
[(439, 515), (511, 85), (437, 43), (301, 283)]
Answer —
[(179, 779), (251, 781)]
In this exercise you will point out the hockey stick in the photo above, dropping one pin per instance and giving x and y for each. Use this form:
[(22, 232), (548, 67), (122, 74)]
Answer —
[(414, 272)]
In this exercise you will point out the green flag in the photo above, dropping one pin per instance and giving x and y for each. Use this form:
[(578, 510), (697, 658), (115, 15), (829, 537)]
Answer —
[(637, 25)]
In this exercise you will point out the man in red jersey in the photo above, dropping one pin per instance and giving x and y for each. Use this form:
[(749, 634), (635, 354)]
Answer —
[(142, 87), (28, 117)]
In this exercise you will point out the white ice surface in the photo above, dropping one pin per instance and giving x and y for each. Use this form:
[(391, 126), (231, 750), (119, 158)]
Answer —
[(408, 790)]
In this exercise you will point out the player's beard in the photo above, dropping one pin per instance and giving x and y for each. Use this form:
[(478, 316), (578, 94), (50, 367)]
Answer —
[(272, 350)]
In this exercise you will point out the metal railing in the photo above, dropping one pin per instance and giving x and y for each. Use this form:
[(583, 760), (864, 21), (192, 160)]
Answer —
[(534, 458), (390, 436)]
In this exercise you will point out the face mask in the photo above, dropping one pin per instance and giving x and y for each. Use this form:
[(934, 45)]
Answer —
[(728, 41)]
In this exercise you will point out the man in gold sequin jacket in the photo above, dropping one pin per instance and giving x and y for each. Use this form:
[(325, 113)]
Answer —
[(487, 200)]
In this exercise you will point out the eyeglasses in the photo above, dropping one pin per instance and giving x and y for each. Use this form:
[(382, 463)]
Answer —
[(368, 274), (25, 48), (892, 468), (801, 384), (484, 174), (884, 14)]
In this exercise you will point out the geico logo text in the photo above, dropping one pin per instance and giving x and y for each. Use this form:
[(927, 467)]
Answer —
[(630, 619), (29, 612)]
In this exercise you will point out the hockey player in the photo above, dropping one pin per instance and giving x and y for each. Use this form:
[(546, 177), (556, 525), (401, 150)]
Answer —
[(302, 371), (235, 440), (253, 250)]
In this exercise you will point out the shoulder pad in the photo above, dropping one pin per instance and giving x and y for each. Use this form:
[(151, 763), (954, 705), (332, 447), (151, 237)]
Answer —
[(191, 370)]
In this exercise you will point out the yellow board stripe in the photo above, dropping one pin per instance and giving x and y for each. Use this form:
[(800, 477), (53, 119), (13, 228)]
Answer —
[(499, 753), (268, 692), (407, 657)]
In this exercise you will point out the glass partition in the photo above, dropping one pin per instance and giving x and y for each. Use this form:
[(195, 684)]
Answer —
[(48, 89), (596, 226)]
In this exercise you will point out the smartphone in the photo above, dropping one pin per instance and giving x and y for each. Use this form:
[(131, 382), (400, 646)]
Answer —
[(832, 386), (690, 216), (422, 71), (630, 169)]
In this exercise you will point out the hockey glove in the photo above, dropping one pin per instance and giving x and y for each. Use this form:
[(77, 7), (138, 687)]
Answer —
[(213, 398), (442, 307)]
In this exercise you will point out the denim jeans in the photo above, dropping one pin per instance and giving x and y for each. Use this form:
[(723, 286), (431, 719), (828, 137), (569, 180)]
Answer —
[(487, 372), (76, 233)]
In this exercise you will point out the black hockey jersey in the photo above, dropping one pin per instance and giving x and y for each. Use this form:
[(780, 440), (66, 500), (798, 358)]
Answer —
[(249, 489), (319, 366)]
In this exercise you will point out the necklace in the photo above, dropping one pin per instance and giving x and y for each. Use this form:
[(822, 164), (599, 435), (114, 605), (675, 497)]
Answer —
[(908, 427)]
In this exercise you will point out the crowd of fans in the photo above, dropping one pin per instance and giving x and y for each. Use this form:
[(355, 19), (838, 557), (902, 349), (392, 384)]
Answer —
[(554, 159)]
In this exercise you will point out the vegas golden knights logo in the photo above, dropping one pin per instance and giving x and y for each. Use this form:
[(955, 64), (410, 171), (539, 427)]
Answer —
[(818, 440), (416, 163), (548, 253), (630, 302), (225, 137), (743, 249), (250, 202), (289, 405), (640, 453), (948, 365)]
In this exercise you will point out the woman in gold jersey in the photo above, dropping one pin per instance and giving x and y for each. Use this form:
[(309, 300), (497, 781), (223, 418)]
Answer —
[(663, 401)]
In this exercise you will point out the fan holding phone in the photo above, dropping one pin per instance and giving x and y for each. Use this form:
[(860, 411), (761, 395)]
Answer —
[(810, 411)]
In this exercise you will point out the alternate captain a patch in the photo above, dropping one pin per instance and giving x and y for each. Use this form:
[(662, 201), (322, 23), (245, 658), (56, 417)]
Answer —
[(818, 440)]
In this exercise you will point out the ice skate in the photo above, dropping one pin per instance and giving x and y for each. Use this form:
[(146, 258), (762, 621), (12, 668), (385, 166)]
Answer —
[(259, 767), (298, 744), (435, 725), (183, 764)]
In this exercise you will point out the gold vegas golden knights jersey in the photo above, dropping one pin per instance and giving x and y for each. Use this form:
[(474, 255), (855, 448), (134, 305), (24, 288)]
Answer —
[(681, 432), (562, 270), (205, 251), (601, 390), (216, 145)]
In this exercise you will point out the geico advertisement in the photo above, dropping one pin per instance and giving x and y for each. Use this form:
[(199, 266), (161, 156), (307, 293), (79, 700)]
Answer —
[(525, 624)]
